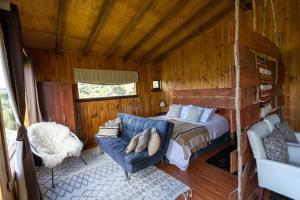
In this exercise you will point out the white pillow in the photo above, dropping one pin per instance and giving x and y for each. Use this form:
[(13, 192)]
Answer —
[(194, 114), (174, 111), (207, 114), (154, 142), (184, 111)]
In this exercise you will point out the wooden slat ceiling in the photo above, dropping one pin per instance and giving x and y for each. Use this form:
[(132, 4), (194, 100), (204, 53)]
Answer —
[(143, 30)]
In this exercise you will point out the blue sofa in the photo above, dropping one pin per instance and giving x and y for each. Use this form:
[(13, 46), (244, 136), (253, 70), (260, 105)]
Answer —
[(131, 126)]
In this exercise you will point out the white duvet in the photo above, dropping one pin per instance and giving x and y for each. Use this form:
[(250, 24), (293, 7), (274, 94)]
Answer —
[(216, 126)]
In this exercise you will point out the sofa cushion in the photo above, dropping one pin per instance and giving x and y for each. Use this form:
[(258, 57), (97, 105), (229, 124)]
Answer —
[(134, 157), (133, 143), (286, 131), (114, 123), (276, 147), (133, 125), (143, 141), (154, 142), (115, 147)]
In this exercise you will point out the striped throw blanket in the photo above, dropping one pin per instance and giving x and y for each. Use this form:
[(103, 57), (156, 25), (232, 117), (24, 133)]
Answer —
[(190, 136)]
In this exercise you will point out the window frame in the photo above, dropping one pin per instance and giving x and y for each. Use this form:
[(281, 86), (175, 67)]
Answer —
[(77, 99)]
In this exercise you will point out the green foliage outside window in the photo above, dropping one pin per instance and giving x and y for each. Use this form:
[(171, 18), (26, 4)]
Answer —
[(8, 117), (86, 90)]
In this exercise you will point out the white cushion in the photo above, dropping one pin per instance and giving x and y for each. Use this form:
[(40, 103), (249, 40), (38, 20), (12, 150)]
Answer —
[(271, 120), (154, 142), (207, 114), (255, 135), (184, 111), (133, 143), (108, 131), (194, 114), (174, 111)]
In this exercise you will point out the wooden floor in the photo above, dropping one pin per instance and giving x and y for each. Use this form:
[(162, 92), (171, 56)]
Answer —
[(206, 181)]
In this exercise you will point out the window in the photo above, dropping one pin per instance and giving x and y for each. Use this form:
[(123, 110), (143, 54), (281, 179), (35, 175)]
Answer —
[(86, 90), (8, 116), (156, 85)]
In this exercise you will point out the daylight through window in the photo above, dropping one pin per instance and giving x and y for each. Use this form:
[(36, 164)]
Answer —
[(7, 113), (86, 90)]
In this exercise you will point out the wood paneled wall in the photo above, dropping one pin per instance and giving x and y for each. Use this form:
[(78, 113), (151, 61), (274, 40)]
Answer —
[(91, 115), (204, 61), (201, 63), (287, 14)]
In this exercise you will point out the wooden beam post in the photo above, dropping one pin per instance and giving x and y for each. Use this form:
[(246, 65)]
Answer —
[(103, 13), (199, 13), (161, 23), (208, 24), (146, 5), (59, 24), (237, 95)]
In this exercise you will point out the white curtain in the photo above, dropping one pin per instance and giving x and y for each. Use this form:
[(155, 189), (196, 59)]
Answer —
[(7, 81), (105, 77), (19, 169)]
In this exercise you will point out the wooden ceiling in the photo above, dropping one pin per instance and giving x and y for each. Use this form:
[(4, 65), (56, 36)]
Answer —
[(143, 30)]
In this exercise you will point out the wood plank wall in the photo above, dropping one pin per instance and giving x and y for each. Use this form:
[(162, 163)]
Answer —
[(287, 15), (52, 67), (203, 62)]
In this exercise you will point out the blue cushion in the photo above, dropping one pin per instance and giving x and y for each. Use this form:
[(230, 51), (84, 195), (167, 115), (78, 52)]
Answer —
[(134, 157), (131, 126)]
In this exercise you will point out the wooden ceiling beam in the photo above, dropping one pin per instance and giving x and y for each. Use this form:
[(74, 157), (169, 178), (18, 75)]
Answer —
[(59, 24), (199, 13), (103, 13), (173, 11), (208, 24), (146, 5)]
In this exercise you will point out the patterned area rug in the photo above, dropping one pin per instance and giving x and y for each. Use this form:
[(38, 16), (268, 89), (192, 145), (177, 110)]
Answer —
[(102, 178)]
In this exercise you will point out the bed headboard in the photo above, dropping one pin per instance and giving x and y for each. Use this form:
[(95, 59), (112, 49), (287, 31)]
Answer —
[(222, 99)]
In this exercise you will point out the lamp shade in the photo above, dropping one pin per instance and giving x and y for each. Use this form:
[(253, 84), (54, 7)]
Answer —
[(162, 104)]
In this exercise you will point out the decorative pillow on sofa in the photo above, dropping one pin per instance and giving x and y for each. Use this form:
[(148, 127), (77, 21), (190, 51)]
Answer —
[(194, 114), (108, 131), (287, 132), (174, 111), (114, 123), (133, 143), (276, 147), (154, 142), (143, 141)]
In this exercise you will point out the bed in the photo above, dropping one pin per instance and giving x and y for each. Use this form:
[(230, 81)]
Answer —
[(220, 126), (217, 128)]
